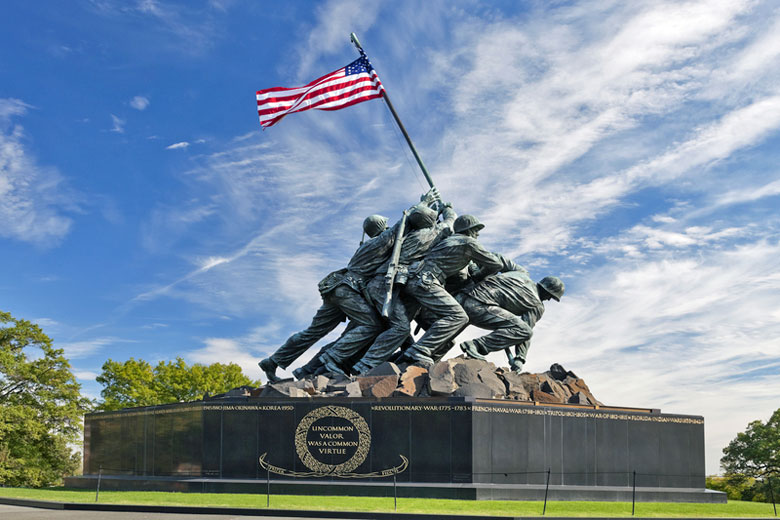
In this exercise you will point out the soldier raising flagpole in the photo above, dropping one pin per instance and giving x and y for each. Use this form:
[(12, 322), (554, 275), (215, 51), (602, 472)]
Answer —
[(413, 262)]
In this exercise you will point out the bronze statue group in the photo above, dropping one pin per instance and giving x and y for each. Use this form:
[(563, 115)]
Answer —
[(429, 268)]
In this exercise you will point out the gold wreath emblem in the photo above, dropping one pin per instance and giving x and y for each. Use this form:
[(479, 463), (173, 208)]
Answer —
[(389, 472), (354, 418)]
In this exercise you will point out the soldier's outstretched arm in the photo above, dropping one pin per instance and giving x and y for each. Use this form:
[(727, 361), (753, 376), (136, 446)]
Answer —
[(510, 265), (488, 262), (448, 215)]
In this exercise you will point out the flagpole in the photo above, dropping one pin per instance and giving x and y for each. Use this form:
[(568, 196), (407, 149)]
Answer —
[(355, 40)]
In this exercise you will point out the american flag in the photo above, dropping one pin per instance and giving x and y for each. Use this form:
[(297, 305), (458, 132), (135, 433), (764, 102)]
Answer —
[(347, 86)]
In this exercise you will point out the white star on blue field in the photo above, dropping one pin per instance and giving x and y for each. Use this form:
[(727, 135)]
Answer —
[(631, 148)]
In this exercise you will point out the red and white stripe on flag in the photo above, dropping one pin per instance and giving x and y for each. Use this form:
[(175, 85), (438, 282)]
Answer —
[(355, 83)]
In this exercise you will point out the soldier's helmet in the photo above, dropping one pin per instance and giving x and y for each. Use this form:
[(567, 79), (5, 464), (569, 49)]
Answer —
[(553, 285), (466, 222), (374, 224), (422, 217)]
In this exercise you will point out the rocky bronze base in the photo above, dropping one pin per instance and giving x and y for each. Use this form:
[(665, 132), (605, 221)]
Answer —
[(456, 377)]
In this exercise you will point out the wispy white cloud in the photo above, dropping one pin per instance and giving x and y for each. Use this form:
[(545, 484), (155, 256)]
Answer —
[(749, 194), (10, 107), (118, 124), (689, 331), (167, 224), (139, 103), (85, 375), (155, 326), (226, 350), (248, 349), (34, 199), (259, 274), (566, 98), (86, 348), (59, 50), (45, 323), (671, 236), (336, 19), (178, 146), (187, 29), (300, 183)]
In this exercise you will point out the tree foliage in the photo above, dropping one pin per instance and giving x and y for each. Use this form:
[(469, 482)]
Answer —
[(756, 451), (40, 407), (738, 487), (752, 463), (137, 383)]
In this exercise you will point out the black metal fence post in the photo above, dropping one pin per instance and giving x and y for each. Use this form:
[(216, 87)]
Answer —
[(633, 495), (268, 487), (395, 494), (97, 489), (546, 488), (772, 494)]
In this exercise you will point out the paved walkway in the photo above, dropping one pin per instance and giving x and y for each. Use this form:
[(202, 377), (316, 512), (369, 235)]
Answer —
[(34, 513)]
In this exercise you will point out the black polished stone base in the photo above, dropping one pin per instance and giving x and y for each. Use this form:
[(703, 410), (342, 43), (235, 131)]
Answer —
[(402, 490), (461, 447)]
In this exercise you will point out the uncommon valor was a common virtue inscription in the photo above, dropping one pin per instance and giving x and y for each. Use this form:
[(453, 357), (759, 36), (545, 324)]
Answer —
[(333, 441)]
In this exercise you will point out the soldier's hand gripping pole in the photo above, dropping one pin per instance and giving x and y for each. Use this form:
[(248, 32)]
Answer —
[(392, 269), (390, 277)]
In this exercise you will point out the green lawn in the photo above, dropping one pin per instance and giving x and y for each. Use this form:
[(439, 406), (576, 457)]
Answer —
[(405, 505)]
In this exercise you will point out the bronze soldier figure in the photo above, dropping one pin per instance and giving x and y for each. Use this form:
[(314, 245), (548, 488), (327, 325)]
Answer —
[(509, 304), (341, 299), (426, 284), (361, 269), (426, 232)]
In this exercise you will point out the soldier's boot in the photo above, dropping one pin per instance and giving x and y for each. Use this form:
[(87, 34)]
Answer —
[(360, 368), (516, 365), (427, 364), (419, 354), (268, 366), (333, 368), (470, 349), (331, 365), (301, 373)]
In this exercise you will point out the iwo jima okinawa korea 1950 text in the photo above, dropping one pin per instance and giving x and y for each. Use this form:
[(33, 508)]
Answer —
[(378, 403)]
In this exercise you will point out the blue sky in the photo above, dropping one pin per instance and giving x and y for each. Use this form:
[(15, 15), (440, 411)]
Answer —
[(630, 148)]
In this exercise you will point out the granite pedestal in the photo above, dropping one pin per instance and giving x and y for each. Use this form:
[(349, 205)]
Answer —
[(435, 447)]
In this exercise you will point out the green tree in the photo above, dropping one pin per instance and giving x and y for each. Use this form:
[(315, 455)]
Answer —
[(126, 384), (137, 383), (752, 460), (737, 487), (40, 407), (756, 451)]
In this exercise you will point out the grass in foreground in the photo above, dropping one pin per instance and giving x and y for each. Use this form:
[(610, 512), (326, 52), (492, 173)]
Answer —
[(405, 505)]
